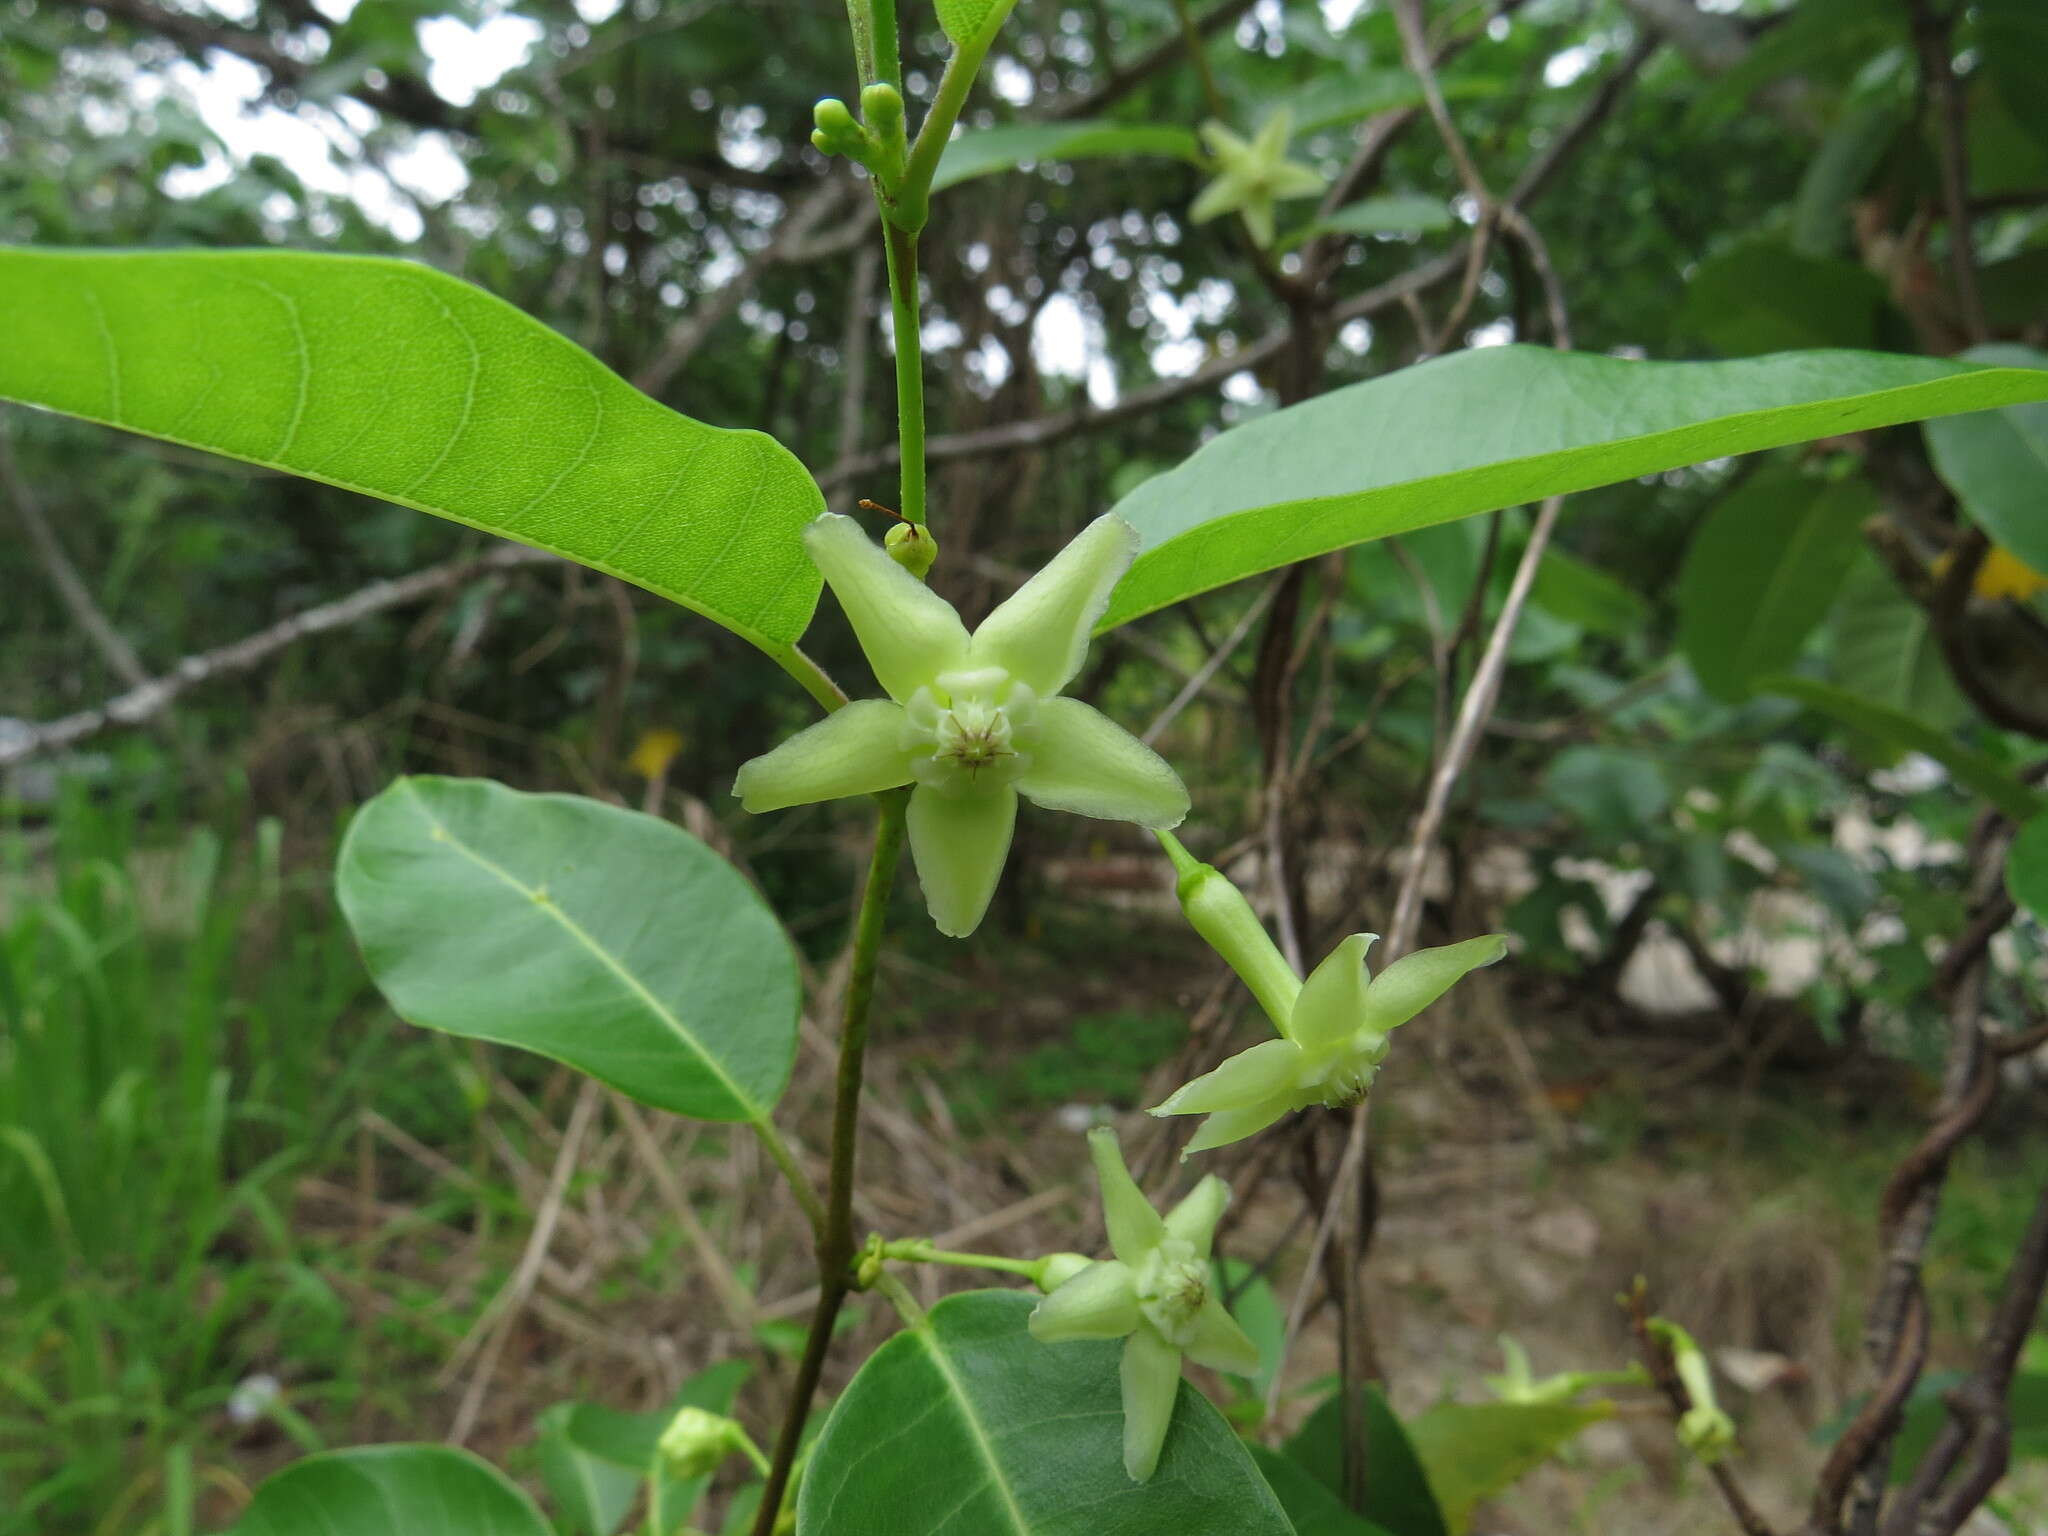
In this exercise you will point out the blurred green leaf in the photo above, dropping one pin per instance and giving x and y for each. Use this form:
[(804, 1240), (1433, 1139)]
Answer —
[(2026, 867), (1587, 596), (989, 150), (1397, 1492), (1474, 1451), (1997, 461), (1396, 214), (1882, 646), (1764, 296), (1314, 1509), (1613, 791), (595, 1460), (1762, 571)]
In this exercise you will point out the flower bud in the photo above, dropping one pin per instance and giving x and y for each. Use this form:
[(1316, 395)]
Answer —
[(1056, 1269), (911, 545), (882, 105), (1220, 914), (696, 1441), (837, 133)]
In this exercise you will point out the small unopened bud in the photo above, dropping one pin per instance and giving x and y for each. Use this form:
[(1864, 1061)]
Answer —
[(1056, 1269), (882, 105), (837, 133), (1220, 914), (911, 545), (696, 1441)]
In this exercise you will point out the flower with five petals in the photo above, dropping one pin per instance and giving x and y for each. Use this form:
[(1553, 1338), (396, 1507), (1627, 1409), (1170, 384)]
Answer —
[(971, 721), (1157, 1295), (1333, 1038), (1252, 176)]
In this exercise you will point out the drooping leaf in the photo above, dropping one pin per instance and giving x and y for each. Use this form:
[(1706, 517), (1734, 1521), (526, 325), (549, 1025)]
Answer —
[(1899, 731), (967, 1423), (990, 150), (392, 379), (391, 1490), (1314, 1509), (2026, 867), (1882, 646), (1397, 1491), (1762, 571), (1997, 462), (600, 937), (1472, 1452), (1492, 428), (595, 1460), (1764, 296)]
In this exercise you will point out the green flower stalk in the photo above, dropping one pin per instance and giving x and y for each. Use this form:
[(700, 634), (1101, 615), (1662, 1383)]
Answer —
[(1253, 176), (1156, 1295), (1518, 1384), (972, 721), (1333, 1027), (1705, 1428)]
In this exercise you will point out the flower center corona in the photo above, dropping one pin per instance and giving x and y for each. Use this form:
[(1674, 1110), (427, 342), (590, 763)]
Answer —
[(1172, 1285), (970, 730)]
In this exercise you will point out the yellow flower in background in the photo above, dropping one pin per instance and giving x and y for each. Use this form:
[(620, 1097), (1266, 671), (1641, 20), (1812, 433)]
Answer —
[(654, 751), (2004, 574)]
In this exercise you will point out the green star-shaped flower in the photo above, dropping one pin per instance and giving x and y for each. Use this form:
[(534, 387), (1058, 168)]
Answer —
[(972, 721), (1252, 177), (1334, 1036), (1156, 1295)]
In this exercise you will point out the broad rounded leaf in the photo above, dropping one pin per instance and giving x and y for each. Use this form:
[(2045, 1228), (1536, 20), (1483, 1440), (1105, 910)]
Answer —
[(393, 379), (391, 1490), (1496, 427), (600, 937), (2026, 867), (968, 1424), (1761, 572), (991, 150), (1997, 462)]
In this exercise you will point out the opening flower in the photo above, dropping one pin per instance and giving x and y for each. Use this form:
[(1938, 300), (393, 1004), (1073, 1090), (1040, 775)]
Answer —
[(972, 721), (1252, 176), (1156, 1295), (1333, 1038)]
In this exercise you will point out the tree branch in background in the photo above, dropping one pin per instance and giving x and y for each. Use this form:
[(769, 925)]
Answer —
[(1933, 38), (155, 695)]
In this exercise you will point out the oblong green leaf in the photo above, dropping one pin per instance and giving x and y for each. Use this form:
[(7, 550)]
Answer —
[(391, 1490), (1491, 428), (1997, 462), (1883, 647), (1400, 213), (596, 936), (393, 379), (968, 1424), (1314, 1509), (990, 150), (1761, 572), (1397, 1492), (1472, 1452)]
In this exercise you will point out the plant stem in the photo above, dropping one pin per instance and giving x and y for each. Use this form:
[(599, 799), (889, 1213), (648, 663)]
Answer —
[(800, 1184), (835, 1248), (903, 306), (876, 55), (917, 1250)]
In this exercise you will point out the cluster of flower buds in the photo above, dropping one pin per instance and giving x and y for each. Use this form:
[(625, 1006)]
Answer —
[(877, 141)]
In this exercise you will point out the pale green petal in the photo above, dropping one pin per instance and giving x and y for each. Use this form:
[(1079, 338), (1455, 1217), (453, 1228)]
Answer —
[(1101, 1302), (1219, 1343), (855, 750), (1224, 144), (1228, 1125), (1039, 634), (909, 632), (1415, 981), (1151, 1380), (958, 844), (1194, 1220), (1218, 197), (1258, 218), (1291, 178), (1332, 1001), (1134, 1227), (1250, 1077), (1271, 142), (1083, 761)]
